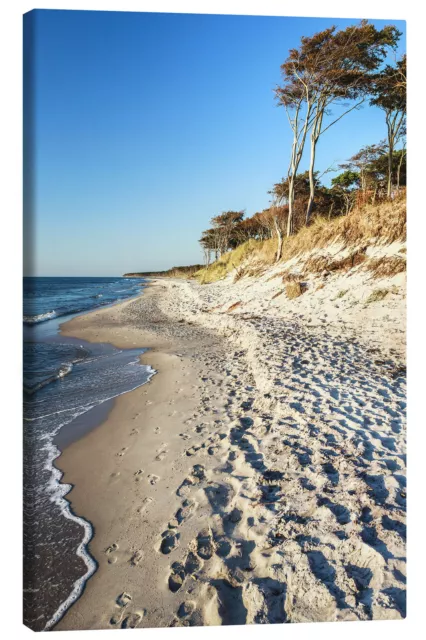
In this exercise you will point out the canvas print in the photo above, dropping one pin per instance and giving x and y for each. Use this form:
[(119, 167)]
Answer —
[(214, 320)]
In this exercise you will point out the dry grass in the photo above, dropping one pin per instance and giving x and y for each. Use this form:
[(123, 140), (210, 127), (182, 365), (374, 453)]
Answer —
[(256, 271), (294, 290), (226, 263), (382, 223), (342, 293), (319, 264), (377, 295), (387, 266), (372, 224), (240, 272), (289, 276)]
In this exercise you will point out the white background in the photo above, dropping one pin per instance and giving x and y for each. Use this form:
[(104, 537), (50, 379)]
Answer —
[(11, 312)]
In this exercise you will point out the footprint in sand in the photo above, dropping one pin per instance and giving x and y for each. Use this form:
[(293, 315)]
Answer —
[(185, 436), (179, 571), (134, 432), (136, 558), (197, 476), (138, 475), (186, 609), (192, 563), (161, 455), (145, 504), (186, 511), (177, 577), (112, 559), (205, 544), (198, 472), (153, 479), (170, 542), (124, 599), (157, 430), (132, 621), (121, 453), (193, 450), (223, 546)]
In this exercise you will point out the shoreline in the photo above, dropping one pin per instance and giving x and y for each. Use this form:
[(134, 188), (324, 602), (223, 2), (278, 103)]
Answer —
[(77, 559), (130, 408), (209, 485)]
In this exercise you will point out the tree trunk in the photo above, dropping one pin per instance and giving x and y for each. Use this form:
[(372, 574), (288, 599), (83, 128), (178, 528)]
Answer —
[(390, 156), (290, 221), (279, 240), (311, 182), (398, 175), (315, 134)]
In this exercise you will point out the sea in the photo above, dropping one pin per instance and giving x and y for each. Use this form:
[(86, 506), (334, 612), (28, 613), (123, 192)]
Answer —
[(68, 384)]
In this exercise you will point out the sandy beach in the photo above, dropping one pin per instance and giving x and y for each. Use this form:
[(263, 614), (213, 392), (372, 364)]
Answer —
[(259, 476)]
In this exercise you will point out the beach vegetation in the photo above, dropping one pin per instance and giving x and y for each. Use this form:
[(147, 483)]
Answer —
[(342, 293), (377, 295), (332, 69), (389, 94), (387, 266), (227, 263), (381, 223), (174, 272), (294, 290)]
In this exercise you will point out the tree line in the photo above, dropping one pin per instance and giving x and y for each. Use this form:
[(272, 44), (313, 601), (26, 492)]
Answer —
[(343, 68)]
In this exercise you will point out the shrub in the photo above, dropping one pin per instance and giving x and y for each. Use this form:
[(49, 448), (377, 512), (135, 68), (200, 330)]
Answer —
[(377, 295), (294, 290), (342, 293)]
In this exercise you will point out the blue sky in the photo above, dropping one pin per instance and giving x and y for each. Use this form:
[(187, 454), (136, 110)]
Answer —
[(146, 125)]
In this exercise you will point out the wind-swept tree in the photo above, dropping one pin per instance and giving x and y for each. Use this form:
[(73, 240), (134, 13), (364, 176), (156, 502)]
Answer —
[(343, 188), (340, 66), (364, 161), (224, 224), (280, 191), (295, 96), (209, 242), (379, 168), (389, 94)]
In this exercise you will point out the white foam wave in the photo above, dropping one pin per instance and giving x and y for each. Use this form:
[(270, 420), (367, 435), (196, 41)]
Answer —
[(58, 492), (63, 370), (42, 317)]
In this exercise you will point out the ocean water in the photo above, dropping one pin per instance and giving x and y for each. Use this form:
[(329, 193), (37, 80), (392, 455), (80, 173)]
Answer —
[(64, 379)]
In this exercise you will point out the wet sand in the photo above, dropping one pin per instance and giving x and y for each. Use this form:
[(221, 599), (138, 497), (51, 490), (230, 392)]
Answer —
[(126, 471)]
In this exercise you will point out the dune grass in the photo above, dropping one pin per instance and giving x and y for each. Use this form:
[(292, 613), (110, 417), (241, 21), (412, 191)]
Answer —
[(228, 262), (372, 224), (377, 295)]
